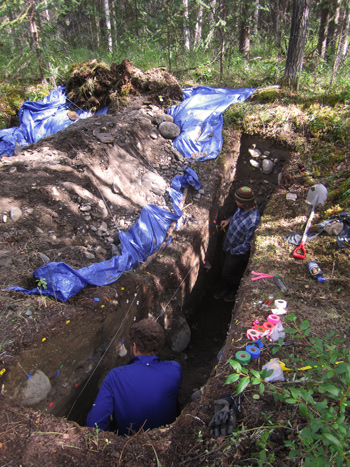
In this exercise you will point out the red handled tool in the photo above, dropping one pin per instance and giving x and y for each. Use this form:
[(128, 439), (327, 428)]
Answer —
[(316, 195)]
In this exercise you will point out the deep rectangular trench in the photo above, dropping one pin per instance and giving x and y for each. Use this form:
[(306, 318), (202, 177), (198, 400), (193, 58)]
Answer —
[(89, 347)]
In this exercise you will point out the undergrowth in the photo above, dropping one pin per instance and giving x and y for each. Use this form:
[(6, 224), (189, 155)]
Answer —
[(319, 388)]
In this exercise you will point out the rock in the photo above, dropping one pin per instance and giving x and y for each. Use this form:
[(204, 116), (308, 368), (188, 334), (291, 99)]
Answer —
[(154, 183), (16, 214), (103, 227), (89, 255), (169, 130), (45, 259), (117, 185), (254, 152), (72, 115), (35, 389), (104, 137), (121, 350), (254, 163), (17, 149), (179, 333), (101, 211), (267, 166), (85, 208), (196, 395), (5, 258), (160, 118)]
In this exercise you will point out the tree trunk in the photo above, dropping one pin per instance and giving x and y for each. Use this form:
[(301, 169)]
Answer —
[(186, 30), (323, 29), (296, 45), (276, 16), (244, 38), (108, 25), (245, 29), (256, 17), (333, 29), (198, 27), (35, 35), (114, 24), (343, 41)]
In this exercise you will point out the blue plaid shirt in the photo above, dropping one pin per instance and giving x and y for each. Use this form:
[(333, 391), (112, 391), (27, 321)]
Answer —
[(241, 230)]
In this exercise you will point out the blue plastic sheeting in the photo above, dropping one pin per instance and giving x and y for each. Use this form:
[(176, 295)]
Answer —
[(38, 119), (138, 243), (200, 119)]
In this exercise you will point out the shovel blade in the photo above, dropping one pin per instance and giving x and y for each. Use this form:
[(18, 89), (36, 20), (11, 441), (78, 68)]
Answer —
[(317, 195)]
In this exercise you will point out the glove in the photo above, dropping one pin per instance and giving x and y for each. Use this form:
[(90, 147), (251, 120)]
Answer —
[(224, 420)]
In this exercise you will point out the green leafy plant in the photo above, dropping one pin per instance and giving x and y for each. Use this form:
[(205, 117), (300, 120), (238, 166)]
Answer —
[(321, 438), (42, 284)]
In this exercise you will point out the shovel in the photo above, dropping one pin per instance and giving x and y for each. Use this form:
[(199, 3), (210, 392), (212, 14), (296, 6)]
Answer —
[(316, 195)]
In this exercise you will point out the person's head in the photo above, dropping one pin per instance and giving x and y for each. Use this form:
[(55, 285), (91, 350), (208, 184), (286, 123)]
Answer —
[(148, 336), (244, 198)]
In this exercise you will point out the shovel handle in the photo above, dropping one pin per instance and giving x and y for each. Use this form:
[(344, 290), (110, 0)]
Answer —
[(300, 252)]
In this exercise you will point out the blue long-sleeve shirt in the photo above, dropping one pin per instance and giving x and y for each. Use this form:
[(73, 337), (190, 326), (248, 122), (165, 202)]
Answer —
[(144, 390), (241, 230)]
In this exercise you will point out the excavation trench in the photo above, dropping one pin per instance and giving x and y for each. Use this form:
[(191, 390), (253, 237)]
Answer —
[(76, 356)]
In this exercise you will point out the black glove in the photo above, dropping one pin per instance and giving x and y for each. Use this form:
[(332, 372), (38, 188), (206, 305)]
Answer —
[(224, 420)]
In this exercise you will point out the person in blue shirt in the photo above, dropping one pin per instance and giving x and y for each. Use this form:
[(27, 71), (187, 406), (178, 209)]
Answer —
[(237, 242), (143, 393)]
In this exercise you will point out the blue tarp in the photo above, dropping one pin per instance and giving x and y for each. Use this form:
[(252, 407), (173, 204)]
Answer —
[(200, 119), (201, 110), (38, 119), (138, 243)]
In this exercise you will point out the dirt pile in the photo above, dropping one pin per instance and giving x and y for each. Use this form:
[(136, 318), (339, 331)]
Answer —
[(94, 85)]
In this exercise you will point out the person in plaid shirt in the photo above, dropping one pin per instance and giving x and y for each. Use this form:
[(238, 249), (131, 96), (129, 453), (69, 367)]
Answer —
[(237, 242)]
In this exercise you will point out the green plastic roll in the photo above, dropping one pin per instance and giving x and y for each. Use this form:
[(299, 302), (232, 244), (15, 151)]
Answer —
[(243, 357)]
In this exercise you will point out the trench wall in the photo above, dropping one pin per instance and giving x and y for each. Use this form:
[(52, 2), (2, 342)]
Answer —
[(76, 355)]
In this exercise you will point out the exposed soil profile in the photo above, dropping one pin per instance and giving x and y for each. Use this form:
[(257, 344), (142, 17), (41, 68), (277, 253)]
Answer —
[(77, 342)]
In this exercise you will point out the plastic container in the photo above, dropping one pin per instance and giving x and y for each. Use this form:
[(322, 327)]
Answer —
[(316, 272), (279, 283)]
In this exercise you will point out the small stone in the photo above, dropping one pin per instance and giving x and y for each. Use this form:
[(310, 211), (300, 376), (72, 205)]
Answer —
[(89, 255), (85, 208), (72, 115), (104, 137), (254, 163), (267, 166), (16, 214), (254, 152), (45, 259)]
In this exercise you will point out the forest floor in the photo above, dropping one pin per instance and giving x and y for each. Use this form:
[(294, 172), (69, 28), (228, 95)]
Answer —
[(51, 181)]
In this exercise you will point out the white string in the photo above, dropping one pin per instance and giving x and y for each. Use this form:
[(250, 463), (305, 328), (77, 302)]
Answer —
[(115, 335), (183, 280), (104, 353)]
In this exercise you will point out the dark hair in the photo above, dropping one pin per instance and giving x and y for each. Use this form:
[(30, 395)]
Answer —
[(148, 336)]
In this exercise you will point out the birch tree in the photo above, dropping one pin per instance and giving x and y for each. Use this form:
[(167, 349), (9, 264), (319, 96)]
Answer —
[(108, 25)]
